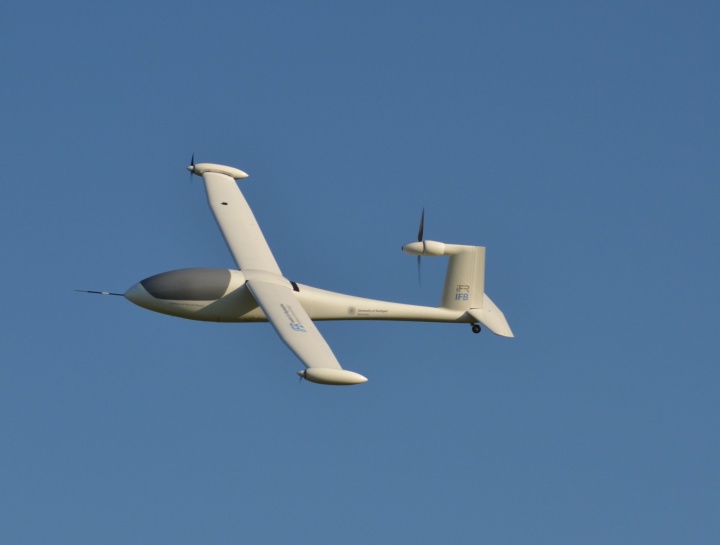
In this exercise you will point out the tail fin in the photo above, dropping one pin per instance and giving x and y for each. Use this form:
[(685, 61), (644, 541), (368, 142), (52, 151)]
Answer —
[(465, 277), (465, 288), (465, 283)]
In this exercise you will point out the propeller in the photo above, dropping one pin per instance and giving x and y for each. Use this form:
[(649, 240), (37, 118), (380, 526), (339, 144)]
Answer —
[(420, 239), (191, 168)]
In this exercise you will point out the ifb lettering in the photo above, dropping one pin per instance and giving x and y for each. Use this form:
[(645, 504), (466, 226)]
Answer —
[(298, 327), (461, 296)]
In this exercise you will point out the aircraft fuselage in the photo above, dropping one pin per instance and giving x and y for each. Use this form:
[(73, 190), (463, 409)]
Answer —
[(220, 295)]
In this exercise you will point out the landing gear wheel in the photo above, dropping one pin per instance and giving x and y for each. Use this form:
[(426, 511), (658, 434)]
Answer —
[(476, 328)]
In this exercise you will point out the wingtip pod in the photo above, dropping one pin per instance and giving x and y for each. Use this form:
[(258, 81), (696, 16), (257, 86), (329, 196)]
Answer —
[(202, 168), (335, 377)]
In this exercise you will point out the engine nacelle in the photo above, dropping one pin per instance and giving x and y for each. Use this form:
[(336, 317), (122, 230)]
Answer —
[(425, 247), (202, 168), (335, 377)]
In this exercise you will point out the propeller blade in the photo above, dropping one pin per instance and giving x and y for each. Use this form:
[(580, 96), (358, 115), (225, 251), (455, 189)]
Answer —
[(191, 168), (420, 239)]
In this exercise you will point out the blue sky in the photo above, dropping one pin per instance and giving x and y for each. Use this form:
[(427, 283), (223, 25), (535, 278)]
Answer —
[(576, 140)]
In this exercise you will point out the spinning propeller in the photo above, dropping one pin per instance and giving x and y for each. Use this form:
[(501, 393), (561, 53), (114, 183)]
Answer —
[(423, 247), (191, 168), (420, 239)]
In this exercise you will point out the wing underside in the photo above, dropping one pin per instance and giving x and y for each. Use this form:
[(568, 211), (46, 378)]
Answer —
[(264, 279), (238, 225), (293, 324)]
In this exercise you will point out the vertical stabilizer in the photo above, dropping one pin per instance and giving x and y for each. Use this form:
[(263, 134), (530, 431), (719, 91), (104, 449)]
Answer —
[(465, 277)]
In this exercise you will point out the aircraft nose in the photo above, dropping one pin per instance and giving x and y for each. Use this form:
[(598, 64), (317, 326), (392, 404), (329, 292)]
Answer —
[(138, 294)]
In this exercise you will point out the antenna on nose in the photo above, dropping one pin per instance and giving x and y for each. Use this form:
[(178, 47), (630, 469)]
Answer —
[(101, 292)]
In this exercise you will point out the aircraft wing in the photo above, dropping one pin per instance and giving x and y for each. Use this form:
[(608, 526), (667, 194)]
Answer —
[(264, 279), (237, 222), (299, 333)]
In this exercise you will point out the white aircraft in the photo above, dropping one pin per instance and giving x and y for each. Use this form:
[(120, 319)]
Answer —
[(257, 291)]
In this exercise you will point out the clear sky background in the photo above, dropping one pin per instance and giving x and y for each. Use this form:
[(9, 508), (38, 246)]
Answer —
[(578, 141)]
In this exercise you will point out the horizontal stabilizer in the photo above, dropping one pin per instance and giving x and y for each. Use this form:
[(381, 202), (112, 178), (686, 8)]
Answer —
[(492, 318)]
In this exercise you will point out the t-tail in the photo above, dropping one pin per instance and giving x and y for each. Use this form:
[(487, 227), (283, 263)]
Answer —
[(464, 287)]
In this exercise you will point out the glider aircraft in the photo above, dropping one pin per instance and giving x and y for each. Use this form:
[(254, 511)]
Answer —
[(257, 291)]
